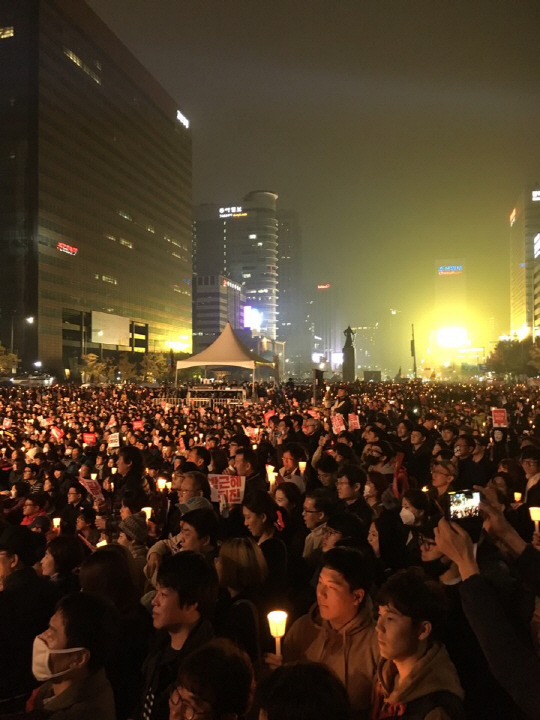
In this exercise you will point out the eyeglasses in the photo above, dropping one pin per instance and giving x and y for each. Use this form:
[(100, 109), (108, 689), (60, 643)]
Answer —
[(187, 710), (423, 540)]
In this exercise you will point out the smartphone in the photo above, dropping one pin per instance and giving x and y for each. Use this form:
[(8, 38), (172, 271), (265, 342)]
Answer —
[(464, 504)]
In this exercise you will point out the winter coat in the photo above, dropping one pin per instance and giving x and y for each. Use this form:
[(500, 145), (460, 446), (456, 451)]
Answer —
[(351, 652), (88, 699), (433, 674)]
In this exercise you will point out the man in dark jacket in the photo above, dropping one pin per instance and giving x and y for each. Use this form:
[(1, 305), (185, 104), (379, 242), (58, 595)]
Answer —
[(186, 594), (350, 487), (26, 604)]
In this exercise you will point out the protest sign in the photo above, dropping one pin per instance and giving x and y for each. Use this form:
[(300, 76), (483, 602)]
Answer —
[(114, 440), (338, 424), (499, 417), (57, 433), (89, 438), (230, 487), (7, 423), (354, 422), (93, 487), (138, 425)]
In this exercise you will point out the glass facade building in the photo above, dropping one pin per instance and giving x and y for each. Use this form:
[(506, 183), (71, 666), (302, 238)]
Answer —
[(95, 190)]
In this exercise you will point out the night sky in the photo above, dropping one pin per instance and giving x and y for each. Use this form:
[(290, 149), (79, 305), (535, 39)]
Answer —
[(401, 132)]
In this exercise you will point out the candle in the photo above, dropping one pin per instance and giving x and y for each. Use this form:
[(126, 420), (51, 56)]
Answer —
[(535, 516), (161, 483), (56, 523), (101, 543), (277, 620), (425, 488), (148, 512), (112, 486), (302, 465), (272, 480), (93, 476), (168, 485), (517, 497), (270, 468), (254, 446), (114, 471)]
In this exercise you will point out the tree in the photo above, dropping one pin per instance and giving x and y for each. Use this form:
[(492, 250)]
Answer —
[(512, 357), (127, 369), (153, 367), (8, 361), (95, 370)]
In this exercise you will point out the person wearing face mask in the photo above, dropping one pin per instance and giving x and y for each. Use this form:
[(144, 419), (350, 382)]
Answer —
[(69, 657), (376, 485)]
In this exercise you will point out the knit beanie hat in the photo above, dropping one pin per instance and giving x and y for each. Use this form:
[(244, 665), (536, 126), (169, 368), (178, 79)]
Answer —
[(134, 527)]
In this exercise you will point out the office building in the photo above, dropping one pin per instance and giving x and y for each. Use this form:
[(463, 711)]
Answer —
[(524, 270), (216, 301), (290, 285), (95, 192), (240, 242)]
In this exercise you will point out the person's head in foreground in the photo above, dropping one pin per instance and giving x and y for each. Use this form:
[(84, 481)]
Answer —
[(411, 613), (186, 591), (77, 641), (343, 583), (214, 682), (303, 691)]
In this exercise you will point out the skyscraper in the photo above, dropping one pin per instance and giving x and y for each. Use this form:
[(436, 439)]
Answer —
[(95, 192), (290, 285), (524, 268), (216, 301), (240, 242)]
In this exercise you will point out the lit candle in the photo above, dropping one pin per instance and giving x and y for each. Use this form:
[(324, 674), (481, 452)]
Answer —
[(270, 468), (93, 476), (425, 488), (272, 480), (114, 471), (254, 446), (302, 465), (535, 516), (56, 523), (112, 486), (148, 512), (517, 497), (101, 543), (168, 485), (277, 620), (161, 483)]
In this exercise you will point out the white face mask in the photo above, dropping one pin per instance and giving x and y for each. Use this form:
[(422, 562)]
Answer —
[(41, 659), (407, 516), (367, 492)]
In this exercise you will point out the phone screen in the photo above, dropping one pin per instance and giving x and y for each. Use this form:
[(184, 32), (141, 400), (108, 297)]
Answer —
[(464, 504)]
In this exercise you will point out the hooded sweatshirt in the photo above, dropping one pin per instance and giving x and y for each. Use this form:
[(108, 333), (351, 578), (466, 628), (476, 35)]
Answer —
[(433, 673), (351, 652)]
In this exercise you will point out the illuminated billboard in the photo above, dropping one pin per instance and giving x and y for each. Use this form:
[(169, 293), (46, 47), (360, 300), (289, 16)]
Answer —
[(252, 318), (450, 269), (323, 287), (110, 329)]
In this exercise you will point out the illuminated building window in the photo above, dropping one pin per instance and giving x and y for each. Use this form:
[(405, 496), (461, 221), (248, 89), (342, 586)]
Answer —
[(252, 237), (259, 244), (126, 243), (7, 32), (109, 279), (110, 237), (176, 255), (125, 215), (77, 60), (151, 228)]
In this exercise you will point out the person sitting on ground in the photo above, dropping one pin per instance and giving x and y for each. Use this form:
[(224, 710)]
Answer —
[(242, 572), (63, 556), (69, 659), (350, 487), (184, 603), (214, 682), (415, 676), (302, 691), (339, 630)]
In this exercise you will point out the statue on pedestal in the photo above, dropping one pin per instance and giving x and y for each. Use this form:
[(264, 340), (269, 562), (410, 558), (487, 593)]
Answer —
[(349, 356)]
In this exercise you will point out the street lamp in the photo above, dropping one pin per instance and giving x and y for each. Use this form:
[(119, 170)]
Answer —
[(38, 364), (30, 320)]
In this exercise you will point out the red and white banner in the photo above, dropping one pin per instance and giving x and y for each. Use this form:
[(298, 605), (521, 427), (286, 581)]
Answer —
[(89, 438), (138, 425), (57, 433), (230, 487), (93, 487), (338, 424), (7, 423), (499, 417), (354, 422)]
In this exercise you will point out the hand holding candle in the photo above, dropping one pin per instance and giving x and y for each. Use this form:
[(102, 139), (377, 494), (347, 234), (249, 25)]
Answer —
[(277, 621), (148, 512), (302, 465), (535, 516), (517, 497)]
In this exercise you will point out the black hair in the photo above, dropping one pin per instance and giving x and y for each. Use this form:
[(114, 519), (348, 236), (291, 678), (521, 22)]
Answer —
[(530, 453), (344, 451), (192, 578), (296, 450), (408, 424), (67, 553), (131, 455), (352, 529), (203, 454), (76, 485), (411, 593), (108, 572), (205, 523), (220, 674), (89, 622), (261, 503), (418, 499), (249, 455), (88, 514), (303, 691), (134, 500), (352, 564), (292, 492), (354, 474), (469, 439), (323, 500), (327, 464), (39, 498)]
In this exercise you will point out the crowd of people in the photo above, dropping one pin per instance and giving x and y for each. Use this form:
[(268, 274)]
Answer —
[(136, 585)]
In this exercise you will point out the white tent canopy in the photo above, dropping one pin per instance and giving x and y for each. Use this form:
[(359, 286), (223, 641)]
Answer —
[(228, 349)]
